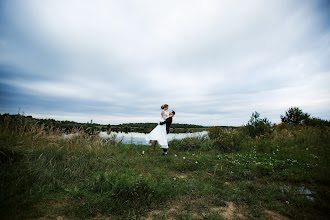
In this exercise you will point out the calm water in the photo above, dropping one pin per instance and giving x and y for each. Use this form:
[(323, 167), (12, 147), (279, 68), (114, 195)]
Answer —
[(138, 138)]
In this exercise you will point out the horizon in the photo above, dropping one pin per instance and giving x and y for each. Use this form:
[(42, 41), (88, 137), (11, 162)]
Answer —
[(93, 122), (214, 62)]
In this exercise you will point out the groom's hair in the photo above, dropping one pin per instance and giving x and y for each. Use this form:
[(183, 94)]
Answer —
[(173, 112)]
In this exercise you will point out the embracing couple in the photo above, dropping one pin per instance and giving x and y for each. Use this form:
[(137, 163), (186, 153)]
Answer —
[(159, 133)]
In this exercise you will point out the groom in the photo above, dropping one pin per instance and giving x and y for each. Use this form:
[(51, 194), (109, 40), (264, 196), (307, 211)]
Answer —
[(168, 123)]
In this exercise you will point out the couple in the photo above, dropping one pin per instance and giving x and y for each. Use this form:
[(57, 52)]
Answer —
[(159, 133)]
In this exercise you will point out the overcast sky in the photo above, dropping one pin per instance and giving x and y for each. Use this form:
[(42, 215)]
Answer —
[(214, 61)]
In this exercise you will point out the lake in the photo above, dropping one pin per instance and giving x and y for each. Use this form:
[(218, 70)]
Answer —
[(139, 138)]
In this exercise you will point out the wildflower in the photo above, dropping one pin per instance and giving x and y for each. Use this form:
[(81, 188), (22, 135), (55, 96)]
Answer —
[(307, 148), (287, 202), (184, 158), (175, 155), (143, 152), (174, 178), (196, 162)]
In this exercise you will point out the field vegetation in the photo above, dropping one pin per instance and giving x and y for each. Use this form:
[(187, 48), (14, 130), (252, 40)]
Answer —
[(257, 171), (93, 128)]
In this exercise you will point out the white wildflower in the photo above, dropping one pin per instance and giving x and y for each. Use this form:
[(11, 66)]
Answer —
[(196, 162), (184, 158), (143, 152), (174, 178)]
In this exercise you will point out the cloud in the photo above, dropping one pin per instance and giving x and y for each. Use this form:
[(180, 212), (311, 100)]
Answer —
[(215, 62)]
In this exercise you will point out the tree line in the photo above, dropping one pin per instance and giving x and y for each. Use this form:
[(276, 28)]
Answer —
[(91, 127)]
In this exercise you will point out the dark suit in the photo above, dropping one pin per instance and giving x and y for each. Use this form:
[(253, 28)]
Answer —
[(168, 123)]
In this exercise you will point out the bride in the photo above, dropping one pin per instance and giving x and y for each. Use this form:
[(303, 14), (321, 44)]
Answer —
[(158, 134)]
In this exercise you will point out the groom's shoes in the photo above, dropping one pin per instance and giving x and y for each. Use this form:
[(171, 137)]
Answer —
[(164, 154)]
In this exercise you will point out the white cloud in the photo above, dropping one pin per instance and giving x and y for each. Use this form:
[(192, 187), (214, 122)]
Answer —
[(214, 61)]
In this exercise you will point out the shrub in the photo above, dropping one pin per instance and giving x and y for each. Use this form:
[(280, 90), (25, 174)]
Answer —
[(316, 122), (191, 143), (229, 140), (257, 126), (125, 187), (214, 132), (294, 116)]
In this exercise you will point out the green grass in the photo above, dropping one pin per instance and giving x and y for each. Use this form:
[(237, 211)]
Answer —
[(44, 175)]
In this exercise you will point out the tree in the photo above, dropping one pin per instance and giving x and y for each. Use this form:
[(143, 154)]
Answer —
[(295, 116), (257, 126), (317, 122)]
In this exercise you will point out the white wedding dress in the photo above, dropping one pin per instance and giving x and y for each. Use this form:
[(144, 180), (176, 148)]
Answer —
[(159, 134)]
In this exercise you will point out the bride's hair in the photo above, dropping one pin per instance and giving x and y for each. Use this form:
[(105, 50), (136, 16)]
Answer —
[(164, 106)]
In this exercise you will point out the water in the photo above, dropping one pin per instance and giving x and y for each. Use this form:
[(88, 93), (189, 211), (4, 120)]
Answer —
[(139, 138), (299, 190)]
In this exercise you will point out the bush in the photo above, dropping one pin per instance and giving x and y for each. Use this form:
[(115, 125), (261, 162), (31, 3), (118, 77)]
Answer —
[(295, 116), (192, 143), (125, 188), (229, 140), (257, 126), (316, 122), (214, 132)]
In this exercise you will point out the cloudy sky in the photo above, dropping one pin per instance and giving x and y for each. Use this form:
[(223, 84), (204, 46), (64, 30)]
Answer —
[(214, 61)]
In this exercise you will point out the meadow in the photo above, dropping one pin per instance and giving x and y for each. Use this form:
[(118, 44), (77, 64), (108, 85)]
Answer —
[(282, 173)]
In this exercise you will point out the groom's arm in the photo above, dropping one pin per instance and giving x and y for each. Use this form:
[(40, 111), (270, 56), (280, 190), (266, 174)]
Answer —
[(164, 122)]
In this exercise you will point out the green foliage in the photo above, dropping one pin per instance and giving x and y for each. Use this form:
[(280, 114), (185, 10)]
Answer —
[(49, 124), (117, 190), (214, 132), (229, 140), (147, 127), (295, 116), (152, 125), (316, 122), (44, 175), (192, 143), (257, 126), (226, 140)]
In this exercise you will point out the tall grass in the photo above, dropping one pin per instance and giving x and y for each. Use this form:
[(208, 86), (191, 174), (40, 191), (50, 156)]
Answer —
[(97, 174), (83, 176)]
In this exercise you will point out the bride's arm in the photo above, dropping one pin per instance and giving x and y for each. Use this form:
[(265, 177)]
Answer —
[(163, 113)]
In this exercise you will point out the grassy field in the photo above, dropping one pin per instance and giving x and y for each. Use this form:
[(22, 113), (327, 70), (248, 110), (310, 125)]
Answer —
[(280, 175)]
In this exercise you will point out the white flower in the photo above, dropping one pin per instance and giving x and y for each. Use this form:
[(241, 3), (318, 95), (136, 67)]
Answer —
[(143, 152), (196, 162), (174, 178), (307, 148), (287, 202), (184, 158), (175, 155)]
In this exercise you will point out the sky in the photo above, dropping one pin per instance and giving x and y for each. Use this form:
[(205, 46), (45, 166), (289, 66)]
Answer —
[(214, 62)]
